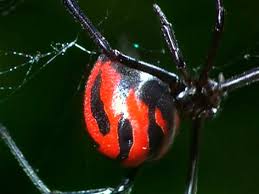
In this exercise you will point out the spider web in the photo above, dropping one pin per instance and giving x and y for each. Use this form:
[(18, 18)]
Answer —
[(245, 59), (15, 75), (31, 66)]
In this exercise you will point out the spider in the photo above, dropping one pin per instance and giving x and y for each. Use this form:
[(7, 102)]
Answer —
[(197, 98)]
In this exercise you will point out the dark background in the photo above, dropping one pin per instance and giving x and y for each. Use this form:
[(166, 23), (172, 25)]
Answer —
[(45, 116)]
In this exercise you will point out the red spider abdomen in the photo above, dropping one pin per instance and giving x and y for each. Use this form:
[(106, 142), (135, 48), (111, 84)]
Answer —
[(128, 113)]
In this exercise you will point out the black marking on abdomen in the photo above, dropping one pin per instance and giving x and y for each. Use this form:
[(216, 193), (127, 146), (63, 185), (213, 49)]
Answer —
[(155, 134), (125, 138), (151, 93), (163, 105), (97, 107)]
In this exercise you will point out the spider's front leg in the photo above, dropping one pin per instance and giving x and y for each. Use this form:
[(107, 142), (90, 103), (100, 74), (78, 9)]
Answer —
[(100, 41), (218, 30), (170, 39)]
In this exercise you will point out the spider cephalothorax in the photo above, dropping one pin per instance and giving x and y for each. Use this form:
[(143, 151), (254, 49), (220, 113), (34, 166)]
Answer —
[(197, 101)]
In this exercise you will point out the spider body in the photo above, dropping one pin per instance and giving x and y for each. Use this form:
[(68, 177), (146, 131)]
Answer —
[(130, 114), (131, 107)]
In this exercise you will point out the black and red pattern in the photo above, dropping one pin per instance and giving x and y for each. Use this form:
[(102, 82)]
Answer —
[(127, 112), (130, 105)]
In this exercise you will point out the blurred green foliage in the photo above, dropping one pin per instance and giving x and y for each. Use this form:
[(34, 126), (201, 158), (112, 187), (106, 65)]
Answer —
[(45, 116)]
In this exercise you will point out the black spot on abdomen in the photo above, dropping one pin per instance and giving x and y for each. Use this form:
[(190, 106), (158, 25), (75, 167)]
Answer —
[(125, 138), (97, 107)]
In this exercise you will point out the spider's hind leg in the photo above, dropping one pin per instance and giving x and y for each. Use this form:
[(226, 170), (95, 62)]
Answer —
[(125, 185), (192, 177), (127, 182)]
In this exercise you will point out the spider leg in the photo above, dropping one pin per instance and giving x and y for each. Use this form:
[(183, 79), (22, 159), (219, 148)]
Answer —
[(5, 136), (241, 80), (218, 29), (127, 182), (192, 178), (73, 7), (170, 39), (125, 185)]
